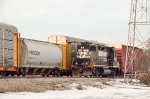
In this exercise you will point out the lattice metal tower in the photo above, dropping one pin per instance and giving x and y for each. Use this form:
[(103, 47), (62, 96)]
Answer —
[(138, 34)]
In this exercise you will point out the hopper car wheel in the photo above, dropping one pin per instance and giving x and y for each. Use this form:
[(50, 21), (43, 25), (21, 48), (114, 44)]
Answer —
[(18, 74), (71, 75), (53, 73), (58, 73), (61, 75), (12, 74), (5, 74), (23, 75), (24, 71), (68, 74)]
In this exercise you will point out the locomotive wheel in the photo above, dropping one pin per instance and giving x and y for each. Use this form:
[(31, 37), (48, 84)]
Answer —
[(18, 74), (57, 75), (43, 75), (61, 75), (47, 75), (67, 75), (71, 75)]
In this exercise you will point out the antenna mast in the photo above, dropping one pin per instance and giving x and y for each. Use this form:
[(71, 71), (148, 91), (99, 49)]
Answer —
[(138, 33)]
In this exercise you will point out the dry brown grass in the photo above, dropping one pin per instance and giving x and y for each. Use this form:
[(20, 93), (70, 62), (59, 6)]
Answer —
[(44, 84), (145, 78)]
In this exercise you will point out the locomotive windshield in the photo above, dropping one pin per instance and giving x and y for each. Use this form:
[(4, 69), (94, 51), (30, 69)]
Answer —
[(83, 52)]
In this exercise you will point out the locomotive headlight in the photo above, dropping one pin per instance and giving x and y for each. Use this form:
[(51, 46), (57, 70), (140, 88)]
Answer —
[(86, 63), (76, 63)]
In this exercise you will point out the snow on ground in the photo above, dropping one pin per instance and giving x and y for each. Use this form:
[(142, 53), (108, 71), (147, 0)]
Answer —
[(112, 90)]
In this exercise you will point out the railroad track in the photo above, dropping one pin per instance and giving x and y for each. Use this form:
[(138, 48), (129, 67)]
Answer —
[(16, 77)]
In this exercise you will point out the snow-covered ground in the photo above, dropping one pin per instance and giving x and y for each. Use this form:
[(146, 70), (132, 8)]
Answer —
[(112, 90)]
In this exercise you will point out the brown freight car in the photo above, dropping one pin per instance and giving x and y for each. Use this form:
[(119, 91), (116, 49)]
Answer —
[(121, 57)]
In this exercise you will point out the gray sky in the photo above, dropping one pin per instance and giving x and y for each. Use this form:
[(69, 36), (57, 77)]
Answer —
[(100, 20)]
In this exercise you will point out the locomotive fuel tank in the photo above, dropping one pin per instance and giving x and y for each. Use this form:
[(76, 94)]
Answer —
[(39, 54)]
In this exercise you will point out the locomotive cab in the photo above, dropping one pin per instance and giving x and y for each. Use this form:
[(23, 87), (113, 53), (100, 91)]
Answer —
[(84, 54)]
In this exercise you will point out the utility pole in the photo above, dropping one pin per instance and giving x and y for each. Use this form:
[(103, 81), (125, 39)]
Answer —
[(138, 34)]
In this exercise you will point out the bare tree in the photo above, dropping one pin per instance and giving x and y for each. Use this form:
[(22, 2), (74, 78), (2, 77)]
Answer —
[(146, 57)]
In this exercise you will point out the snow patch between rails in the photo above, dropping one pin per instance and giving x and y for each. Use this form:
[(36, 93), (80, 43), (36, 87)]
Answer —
[(114, 89)]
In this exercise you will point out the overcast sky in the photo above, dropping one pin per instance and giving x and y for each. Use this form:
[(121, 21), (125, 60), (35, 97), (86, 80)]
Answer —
[(105, 21)]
